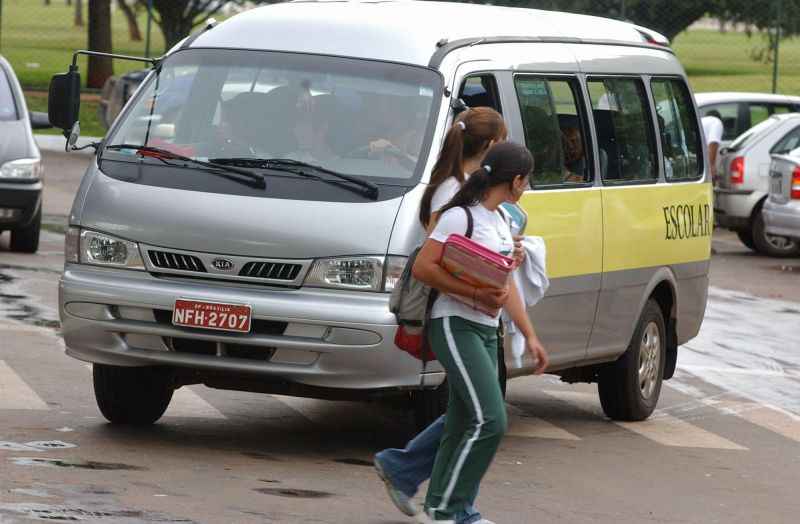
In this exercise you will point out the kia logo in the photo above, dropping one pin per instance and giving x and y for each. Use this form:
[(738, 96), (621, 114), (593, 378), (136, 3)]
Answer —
[(222, 264)]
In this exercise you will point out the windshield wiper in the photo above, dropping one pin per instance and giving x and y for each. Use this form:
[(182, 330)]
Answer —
[(298, 167), (165, 155)]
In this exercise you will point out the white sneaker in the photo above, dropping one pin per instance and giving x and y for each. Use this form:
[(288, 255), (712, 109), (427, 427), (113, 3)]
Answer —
[(424, 518), (401, 501), (483, 521)]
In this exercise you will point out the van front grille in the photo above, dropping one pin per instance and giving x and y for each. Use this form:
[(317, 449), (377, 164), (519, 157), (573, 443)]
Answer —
[(271, 270), (179, 261)]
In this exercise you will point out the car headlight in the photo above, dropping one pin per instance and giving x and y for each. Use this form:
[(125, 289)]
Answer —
[(24, 169), (364, 273), (90, 247)]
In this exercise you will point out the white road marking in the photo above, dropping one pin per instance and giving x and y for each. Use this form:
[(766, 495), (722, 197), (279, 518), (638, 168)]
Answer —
[(15, 393), (660, 427), (768, 417), (522, 425), (188, 404)]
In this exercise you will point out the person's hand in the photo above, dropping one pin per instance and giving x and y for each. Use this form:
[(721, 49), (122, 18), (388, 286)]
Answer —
[(492, 298), (539, 355), (519, 251)]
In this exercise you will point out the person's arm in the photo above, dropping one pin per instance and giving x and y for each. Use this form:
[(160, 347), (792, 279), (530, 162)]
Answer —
[(519, 315), (713, 149), (428, 271)]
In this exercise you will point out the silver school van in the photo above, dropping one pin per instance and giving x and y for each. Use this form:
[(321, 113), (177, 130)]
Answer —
[(251, 208)]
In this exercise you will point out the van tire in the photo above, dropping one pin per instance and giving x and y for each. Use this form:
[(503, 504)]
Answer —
[(770, 245), (429, 404), (136, 396), (620, 385), (746, 236), (26, 239)]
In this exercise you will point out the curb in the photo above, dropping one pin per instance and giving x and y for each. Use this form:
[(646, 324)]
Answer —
[(56, 143)]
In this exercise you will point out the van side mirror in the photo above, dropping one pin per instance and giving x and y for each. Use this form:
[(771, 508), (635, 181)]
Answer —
[(64, 100), (39, 120)]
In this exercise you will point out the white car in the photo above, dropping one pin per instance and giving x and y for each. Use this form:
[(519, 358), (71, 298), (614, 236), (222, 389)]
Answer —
[(741, 111), (743, 184)]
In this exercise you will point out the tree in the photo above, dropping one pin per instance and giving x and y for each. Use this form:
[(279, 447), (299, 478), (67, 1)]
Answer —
[(100, 68), (130, 16), (177, 18), (78, 13)]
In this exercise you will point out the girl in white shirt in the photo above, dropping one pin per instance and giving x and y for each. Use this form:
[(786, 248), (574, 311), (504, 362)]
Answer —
[(472, 134), (464, 339)]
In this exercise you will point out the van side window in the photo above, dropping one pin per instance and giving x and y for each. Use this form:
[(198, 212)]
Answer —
[(624, 130), (481, 91), (680, 136), (555, 131), (788, 143), (729, 114)]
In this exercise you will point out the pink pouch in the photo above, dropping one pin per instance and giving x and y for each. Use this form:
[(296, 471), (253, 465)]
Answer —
[(470, 261)]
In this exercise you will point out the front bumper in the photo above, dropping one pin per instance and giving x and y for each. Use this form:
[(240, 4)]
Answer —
[(313, 337), (23, 199), (782, 219)]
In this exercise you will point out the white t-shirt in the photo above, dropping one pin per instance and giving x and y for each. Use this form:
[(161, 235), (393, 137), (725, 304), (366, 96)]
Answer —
[(712, 129), (444, 193), (488, 228)]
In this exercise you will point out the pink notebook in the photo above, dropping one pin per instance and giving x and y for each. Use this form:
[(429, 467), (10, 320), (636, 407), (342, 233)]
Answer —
[(472, 262)]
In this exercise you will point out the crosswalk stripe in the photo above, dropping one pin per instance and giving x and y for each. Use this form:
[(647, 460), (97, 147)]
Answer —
[(334, 414), (15, 393), (767, 417), (522, 425), (188, 404), (660, 427)]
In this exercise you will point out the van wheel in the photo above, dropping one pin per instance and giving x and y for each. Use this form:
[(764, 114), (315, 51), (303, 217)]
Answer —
[(629, 388), (429, 404), (746, 236), (771, 245), (132, 395), (26, 239)]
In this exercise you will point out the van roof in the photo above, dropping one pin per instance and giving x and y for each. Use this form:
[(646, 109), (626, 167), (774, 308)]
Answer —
[(403, 31)]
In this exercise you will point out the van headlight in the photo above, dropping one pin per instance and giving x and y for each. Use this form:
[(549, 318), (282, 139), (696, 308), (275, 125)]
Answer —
[(24, 169), (99, 249), (363, 273)]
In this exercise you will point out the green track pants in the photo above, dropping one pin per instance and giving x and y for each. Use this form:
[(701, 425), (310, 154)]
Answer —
[(476, 414)]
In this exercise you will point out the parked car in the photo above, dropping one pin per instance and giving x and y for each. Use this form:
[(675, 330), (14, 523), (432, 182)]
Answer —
[(21, 172), (741, 111), (742, 188), (218, 240), (782, 208), (115, 94)]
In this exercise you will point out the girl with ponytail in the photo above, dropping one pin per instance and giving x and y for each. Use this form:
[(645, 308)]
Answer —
[(464, 339), (472, 134)]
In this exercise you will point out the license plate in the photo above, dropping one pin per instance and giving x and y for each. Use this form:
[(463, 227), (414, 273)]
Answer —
[(212, 315)]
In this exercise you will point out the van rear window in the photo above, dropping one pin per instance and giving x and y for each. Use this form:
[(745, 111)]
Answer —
[(680, 135)]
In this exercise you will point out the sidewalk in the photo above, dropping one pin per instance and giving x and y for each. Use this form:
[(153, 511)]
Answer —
[(56, 143)]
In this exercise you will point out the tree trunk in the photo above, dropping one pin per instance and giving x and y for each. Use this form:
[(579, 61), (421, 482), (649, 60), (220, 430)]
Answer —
[(78, 13), (175, 25), (100, 68), (133, 24)]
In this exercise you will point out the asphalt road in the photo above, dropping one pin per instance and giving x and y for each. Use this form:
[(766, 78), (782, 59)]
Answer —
[(724, 445)]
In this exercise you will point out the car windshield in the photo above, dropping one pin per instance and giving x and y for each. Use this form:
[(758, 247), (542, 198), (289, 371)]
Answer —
[(361, 118), (745, 137)]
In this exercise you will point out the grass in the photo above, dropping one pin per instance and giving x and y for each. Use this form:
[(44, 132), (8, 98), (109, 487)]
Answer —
[(721, 62)]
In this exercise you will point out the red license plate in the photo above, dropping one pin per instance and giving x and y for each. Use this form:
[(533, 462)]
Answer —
[(212, 315)]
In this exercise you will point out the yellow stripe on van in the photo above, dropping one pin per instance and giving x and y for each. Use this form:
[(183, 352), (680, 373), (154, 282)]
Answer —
[(645, 226), (571, 222), (659, 225)]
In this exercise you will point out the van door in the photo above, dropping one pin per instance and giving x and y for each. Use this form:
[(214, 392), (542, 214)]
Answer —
[(565, 208)]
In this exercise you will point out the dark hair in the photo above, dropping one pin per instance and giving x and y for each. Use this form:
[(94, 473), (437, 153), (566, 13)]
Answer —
[(503, 163), (470, 134), (714, 113)]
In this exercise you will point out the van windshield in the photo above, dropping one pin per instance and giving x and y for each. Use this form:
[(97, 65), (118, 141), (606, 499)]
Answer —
[(371, 120)]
